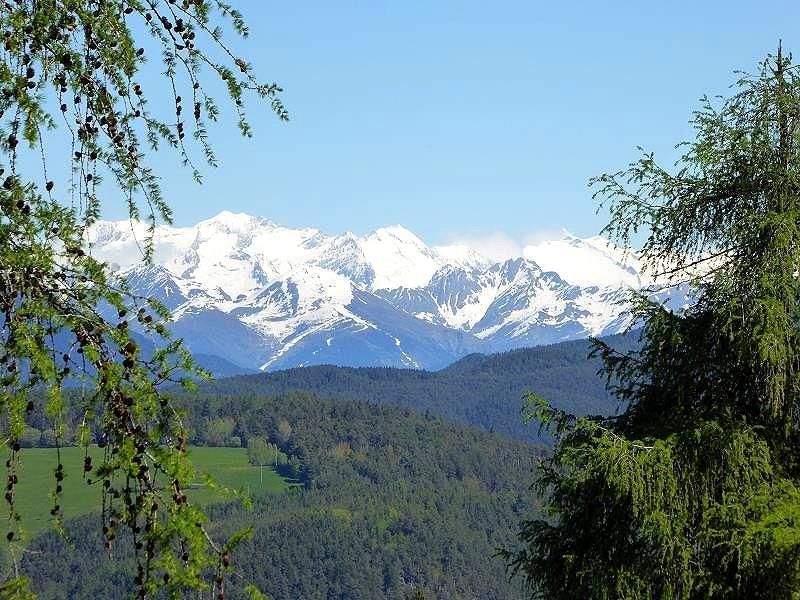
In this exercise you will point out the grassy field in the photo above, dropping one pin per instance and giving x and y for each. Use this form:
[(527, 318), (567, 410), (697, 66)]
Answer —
[(227, 466)]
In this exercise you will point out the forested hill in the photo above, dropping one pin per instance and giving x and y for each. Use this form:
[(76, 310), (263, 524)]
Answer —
[(481, 390), (393, 504)]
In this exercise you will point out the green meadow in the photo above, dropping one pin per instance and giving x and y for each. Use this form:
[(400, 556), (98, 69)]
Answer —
[(34, 492)]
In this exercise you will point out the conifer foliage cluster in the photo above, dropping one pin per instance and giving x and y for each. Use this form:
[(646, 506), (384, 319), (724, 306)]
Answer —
[(692, 492), (76, 134)]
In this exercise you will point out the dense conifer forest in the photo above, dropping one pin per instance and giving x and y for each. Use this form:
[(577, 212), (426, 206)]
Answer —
[(481, 390), (485, 391), (392, 500), (392, 503)]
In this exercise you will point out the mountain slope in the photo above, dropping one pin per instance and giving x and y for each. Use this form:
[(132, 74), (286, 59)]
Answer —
[(262, 296), (393, 503), (481, 390)]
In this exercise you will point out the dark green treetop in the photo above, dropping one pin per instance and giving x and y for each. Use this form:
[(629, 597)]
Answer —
[(692, 492)]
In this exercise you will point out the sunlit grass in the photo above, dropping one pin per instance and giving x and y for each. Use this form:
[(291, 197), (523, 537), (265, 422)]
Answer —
[(36, 486)]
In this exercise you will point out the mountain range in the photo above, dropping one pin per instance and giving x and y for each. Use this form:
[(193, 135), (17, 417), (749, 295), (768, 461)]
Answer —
[(247, 294)]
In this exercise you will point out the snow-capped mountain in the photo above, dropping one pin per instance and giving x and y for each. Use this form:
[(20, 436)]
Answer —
[(262, 296)]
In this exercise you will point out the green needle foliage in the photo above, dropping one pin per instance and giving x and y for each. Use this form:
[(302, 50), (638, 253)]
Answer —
[(694, 490), (73, 114)]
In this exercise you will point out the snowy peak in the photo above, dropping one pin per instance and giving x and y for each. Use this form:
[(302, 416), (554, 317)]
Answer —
[(269, 296), (399, 258), (517, 268), (154, 281), (593, 261), (398, 233), (463, 256), (231, 222), (345, 256)]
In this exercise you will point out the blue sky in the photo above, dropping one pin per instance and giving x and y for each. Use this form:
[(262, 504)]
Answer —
[(469, 120)]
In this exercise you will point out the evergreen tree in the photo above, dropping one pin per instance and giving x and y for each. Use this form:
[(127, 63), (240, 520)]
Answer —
[(692, 492), (72, 91)]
